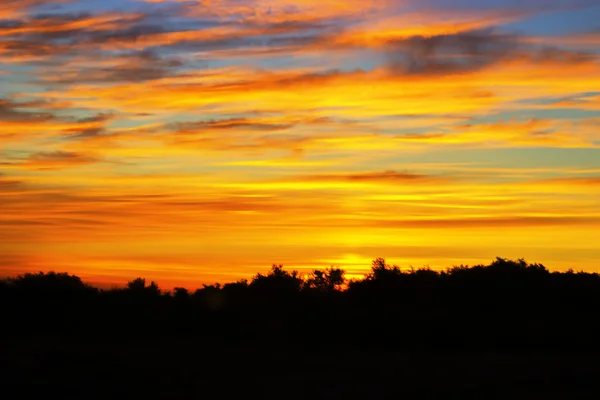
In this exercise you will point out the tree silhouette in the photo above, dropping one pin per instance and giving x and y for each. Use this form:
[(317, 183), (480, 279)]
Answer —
[(328, 280), (138, 285), (50, 282), (180, 293), (283, 324), (499, 298), (277, 282), (210, 296), (381, 271)]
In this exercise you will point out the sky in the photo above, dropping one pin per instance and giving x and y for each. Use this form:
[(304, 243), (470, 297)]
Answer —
[(198, 141)]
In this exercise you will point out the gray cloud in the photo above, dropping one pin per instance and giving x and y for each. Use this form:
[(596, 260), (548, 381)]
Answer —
[(14, 112), (228, 124), (469, 51), (443, 54)]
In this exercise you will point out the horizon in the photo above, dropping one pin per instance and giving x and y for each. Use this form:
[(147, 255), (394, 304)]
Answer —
[(304, 273), (198, 141)]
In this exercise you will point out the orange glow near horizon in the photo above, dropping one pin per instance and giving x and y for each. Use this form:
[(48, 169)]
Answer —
[(194, 142)]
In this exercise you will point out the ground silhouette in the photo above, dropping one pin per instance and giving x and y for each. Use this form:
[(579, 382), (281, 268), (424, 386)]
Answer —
[(509, 329)]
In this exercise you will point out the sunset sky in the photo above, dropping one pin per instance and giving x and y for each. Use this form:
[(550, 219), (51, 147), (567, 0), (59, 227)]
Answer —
[(199, 141)]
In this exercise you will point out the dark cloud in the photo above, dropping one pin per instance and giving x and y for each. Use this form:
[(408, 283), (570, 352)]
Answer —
[(224, 42), (136, 67), (228, 124), (557, 55), (387, 176), (470, 51), (247, 143), (278, 81), (419, 136), (47, 39), (290, 26), (446, 54), (77, 133), (20, 5), (52, 39), (88, 127), (47, 160), (320, 40), (59, 156), (384, 176), (249, 36), (31, 51), (311, 78), (39, 37), (251, 134), (15, 112), (59, 26), (100, 117), (129, 35)]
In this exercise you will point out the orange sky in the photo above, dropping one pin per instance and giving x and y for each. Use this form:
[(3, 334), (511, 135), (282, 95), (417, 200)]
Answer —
[(194, 142)]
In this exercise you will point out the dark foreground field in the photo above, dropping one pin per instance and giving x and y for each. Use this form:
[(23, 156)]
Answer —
[(509, 330), (183, 369)]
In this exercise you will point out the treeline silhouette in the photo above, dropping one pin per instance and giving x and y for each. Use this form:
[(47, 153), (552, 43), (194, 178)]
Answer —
[(372, 328)]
